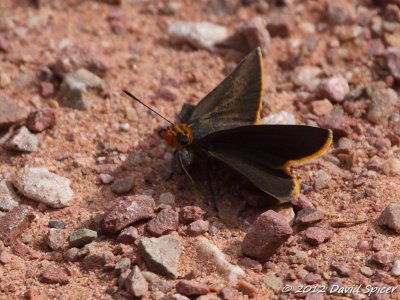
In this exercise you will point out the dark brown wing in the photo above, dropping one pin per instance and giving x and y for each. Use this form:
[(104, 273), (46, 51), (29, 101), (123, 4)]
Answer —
[(264, 153), (236, 101)]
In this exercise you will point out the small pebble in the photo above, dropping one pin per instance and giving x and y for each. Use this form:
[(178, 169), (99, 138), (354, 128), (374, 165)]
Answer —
[(189, 214), (54, 275), (167, 199), (247, 288), (390, 217), (122, 185), (391, 167), (383, 257), (41, 119), (81, 237), (198, 227), (122, 265), (128, 235), (191, 288), (322, 180), (8, 198), (23, 140), (106, 178), (43, 186), (164, 222), (57, 224), (56, 238), (396, 268), (309, 216), (334, 88), (317, 235), (366, 271), (342, 269), (273, 282), (135, 284)]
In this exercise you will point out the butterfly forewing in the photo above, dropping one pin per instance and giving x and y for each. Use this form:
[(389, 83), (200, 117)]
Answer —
[(233, 103)]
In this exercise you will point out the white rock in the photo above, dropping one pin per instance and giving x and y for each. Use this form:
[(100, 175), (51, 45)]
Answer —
[(281, 118), (8, 198), (396, 268), (43, 186), (23, 140), (211, 252), (203, 35)]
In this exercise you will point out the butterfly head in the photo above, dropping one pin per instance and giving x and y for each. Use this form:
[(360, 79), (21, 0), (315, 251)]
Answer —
[(177, 136)]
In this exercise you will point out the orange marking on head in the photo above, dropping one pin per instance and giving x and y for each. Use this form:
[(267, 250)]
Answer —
[(178, 136)]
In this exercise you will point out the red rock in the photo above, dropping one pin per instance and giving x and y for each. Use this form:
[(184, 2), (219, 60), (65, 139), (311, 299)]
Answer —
[(249, 36), (321, 107), (41, 119), (82, 56), (10, 111), (312, 278), (97, 258), (383, 257), (135, 284), (128, 210), (247, 288), (46, 89), (189, 214), (14, 223), (198, 227), (54, 275), (301, 201), (251, 264), (308, 216), (339, 124), (342, 269), (228, 293), (317, 235), (340, 12), (266, 235), (164, 222), (191, 288), (128, 235), (376, 245)]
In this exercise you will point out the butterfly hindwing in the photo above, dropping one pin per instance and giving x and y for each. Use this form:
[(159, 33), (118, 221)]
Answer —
[(263, 153), (235, 102)]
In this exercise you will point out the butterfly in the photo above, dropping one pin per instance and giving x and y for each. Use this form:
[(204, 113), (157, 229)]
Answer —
[(225, 125)]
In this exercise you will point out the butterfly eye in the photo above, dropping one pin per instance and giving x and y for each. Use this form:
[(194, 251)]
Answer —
[(182, 139), (162, 132)]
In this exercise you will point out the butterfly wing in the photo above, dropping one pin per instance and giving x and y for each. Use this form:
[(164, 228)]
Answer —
[(236, 101), (264, 153)]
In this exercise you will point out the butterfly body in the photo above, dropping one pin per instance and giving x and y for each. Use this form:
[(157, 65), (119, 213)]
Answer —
[(225, 125)]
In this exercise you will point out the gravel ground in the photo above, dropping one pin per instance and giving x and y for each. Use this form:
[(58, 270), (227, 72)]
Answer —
[(91, 203)]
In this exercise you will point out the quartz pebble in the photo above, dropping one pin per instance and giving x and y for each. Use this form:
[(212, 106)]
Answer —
[(22, 140), (211, 252), (43, 186), (202, 35)]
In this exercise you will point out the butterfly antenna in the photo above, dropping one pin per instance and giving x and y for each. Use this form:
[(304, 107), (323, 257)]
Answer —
[(184, 169), (145, 105)]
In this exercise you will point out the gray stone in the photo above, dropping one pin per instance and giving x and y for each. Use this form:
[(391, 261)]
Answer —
[(8, 198), (322, 180), (56, 238), (366, 271), (122, 185), (43, 186), (22, 140), (272, 282), (10, 111), (161, 255), (306, 77), (74, 88), (390, 217), (135, 284), (334, 88), (202, 35), (383, 103), (391, 167), (122, 265), (81, 237)]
